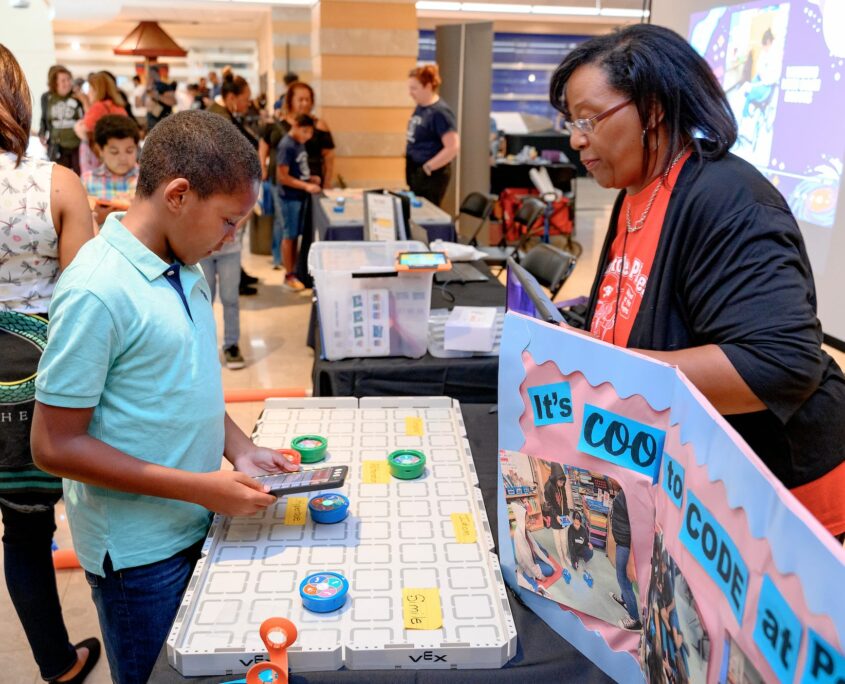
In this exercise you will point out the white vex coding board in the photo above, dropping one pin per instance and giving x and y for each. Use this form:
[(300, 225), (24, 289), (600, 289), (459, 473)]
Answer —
[(398, 535)]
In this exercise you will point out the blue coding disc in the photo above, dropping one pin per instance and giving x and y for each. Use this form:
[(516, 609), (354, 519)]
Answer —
[(323, 592), (328, 508)]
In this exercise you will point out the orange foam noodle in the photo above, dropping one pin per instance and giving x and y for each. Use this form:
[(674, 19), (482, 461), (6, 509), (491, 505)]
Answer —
[(234, 396), (65, 559)]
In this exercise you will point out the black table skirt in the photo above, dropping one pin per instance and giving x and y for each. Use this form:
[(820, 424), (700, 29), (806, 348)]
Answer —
[(472, 380), (542, 655)]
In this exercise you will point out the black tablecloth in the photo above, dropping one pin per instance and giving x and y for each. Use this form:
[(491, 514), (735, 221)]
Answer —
[(542, 656), (472, 380), (504, 175)]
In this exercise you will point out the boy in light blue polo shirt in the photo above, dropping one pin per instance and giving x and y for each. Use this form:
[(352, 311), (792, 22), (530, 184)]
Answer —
[(129, 401)]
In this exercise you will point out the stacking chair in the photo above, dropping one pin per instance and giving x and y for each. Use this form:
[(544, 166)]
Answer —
[(526, 216), (479, 206), (550, 265)]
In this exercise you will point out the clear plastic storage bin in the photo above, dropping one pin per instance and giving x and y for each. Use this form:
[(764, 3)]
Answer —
[(365, 307)]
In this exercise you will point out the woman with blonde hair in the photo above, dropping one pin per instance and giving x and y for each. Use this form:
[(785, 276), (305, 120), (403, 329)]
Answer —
[(105, 99), (44, 220)]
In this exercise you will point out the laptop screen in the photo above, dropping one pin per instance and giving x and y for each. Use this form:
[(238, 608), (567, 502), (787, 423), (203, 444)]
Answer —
[(526, 296)]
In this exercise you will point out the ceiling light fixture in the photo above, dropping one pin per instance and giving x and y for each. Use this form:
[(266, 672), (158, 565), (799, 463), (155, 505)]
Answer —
[(563, 11), (495, 8), (547, 10)]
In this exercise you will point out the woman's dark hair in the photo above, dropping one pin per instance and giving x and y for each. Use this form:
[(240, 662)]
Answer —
[(115, 127), (53, 77), (291, 91), (15, 106), (234, 85), (653, 65), (204, 148)]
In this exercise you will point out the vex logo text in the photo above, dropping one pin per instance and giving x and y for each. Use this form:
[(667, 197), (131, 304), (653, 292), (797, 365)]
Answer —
[(429, 655)]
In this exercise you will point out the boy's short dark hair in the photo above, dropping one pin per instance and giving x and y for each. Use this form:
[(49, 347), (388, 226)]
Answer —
[(116, 127), (304, 121), (577, 516), (203, 148)]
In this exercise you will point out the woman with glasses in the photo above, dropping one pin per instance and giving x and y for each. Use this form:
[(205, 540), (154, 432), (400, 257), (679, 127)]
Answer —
[(704, 266)]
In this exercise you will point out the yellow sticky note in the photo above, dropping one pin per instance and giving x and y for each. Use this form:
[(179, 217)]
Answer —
[(376, 472), (464, 527), (297, 510), (413, 426), (421, 608)]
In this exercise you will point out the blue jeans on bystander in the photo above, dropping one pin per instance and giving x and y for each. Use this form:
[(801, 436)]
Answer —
[(278, 226), (622, 554), (227, 268)]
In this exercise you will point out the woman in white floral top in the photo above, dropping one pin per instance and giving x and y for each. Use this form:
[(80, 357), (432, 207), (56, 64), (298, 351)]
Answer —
[(44, 220)]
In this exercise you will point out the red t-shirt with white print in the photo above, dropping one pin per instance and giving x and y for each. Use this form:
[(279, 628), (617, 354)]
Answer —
[(629, 261)]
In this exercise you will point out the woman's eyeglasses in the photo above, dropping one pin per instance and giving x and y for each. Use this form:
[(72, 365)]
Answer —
[(589, 125)]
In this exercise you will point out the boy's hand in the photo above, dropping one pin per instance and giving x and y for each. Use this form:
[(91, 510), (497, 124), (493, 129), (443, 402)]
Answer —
[(313, 188), (101, 212), (231, 493), (262, 461)]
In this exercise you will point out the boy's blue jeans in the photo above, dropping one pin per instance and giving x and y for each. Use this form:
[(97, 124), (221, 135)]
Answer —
[(136, 608), (226, 268), (292, 210)]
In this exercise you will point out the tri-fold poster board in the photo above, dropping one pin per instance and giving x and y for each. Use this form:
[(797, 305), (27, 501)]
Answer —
[(732, 579)]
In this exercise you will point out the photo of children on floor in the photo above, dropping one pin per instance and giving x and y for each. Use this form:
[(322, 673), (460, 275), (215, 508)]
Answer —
[(676, 647), (571, 537), (736, 668)]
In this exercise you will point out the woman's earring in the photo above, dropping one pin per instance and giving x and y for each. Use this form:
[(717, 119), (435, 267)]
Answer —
[(644, 139)]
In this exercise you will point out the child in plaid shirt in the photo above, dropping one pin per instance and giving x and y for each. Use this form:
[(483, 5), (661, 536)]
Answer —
[(113, 182)]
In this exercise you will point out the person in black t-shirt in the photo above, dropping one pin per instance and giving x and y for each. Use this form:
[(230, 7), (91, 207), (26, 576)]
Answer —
[(161, 97), (433, 140), (580, 548)]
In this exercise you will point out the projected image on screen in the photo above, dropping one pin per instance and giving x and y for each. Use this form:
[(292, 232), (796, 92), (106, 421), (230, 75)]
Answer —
[(782, 66)]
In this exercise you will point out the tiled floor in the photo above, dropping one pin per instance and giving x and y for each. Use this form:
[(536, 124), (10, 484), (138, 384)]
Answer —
[(273, 327)]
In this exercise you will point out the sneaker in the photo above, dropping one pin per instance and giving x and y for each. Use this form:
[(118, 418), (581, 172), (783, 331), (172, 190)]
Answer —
[(247, 279), (630, 624), (247, 290), (234, 360), (616, 598), (277, 267), (292, 284)]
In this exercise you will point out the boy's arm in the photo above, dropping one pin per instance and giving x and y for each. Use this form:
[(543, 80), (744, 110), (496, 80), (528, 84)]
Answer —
[(283, 177), (62, 446), (249, 458)]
